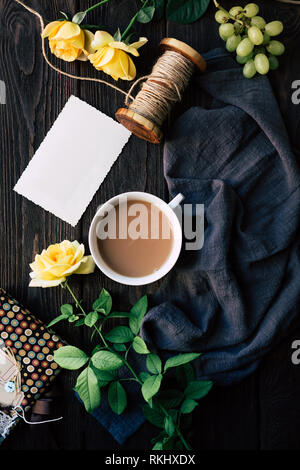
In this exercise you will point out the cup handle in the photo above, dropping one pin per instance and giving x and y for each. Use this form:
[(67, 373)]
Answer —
[(176, 201)]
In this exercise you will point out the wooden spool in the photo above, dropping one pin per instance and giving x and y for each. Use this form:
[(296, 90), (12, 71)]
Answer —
[(141, 126)]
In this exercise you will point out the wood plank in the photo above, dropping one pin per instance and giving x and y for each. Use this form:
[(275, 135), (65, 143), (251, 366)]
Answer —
[(35, 96)]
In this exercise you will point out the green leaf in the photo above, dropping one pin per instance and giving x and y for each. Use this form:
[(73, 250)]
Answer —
[(106, 360), (57, 319), (88, 389), (151, 386), (119, 334), (143, 376), (185, 374), (79, 17), (91, 319), (140, 346), (180, 359), (171, 398), (154, 416), (198, 389), (67, 309), (185, 11), (150, 403), (70, 357), (118, 35), (158, 446), (103, 302), (117, 397), (188, 406), (153, 364), (138, 312), (105, 376), (80, 322), (146, 14), (119, 347), (169, 426)]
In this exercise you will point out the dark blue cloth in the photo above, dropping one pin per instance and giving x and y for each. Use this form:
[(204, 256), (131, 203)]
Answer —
[(121, 427), (239, 295)]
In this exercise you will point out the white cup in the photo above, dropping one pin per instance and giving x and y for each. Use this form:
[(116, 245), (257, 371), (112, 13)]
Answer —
[(168, 211)]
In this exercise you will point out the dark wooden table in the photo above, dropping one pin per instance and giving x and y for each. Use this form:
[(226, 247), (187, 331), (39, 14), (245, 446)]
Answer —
[(262, 412)]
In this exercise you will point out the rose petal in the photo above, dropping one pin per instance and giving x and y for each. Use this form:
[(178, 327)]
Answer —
[(72, 269), (101, 39), (87, 266), (67, 31), (56, 271), (107, 54), (78, 41), (52, 28), (43, 283), (79, 251), (141, 42), (124, 47), (132, 69), (88, 41)]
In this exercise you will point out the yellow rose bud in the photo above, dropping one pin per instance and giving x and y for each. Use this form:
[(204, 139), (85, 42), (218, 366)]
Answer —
[(59, 261), (66, 39), (111, 57)]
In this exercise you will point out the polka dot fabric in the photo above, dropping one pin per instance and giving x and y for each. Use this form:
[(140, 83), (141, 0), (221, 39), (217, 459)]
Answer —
[(33, 346)]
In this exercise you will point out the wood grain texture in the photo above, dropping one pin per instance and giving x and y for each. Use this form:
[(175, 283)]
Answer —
[(261, 412)]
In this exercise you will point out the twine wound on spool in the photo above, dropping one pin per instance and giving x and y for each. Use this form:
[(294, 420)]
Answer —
[(164, 87)]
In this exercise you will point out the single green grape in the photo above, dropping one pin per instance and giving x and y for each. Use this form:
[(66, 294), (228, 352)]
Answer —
[(221, 16), (237, 12), (226, 30), (233, 42), (251, 10), (266, 39), (245, 47), (249, 69), (274, 64), (262, 65), (255, 35), (274, 28), (258, 21), (243, 60), (275, 47)]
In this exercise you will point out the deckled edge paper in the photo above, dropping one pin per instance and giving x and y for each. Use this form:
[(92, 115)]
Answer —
[(73, 160)]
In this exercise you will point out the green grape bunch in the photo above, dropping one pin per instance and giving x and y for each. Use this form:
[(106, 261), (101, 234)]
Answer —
[(251, 38)]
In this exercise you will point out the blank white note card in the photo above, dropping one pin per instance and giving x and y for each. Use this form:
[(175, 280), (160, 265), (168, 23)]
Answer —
[(73, 160)]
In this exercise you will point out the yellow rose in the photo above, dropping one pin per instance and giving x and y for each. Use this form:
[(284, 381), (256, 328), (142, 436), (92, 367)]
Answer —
[(112, 56), (67, 40), (59, 261)]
